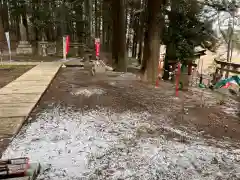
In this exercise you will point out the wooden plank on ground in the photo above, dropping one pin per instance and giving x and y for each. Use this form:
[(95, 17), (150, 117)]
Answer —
[(17, 105), (15, 111), (34, 89), (10, 126), (19, 98), (25, 84)]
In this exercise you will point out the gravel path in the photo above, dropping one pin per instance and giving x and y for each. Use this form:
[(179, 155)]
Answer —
[(106, 145)]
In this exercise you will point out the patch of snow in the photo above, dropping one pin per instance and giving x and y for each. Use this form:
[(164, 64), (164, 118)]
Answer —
[(87, 92), (128, 76), (104, 145), (231, 107), (231, 111), (178, 132), (112, 83)]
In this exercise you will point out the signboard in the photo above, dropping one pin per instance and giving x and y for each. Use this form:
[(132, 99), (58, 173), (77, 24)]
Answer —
[(51, 48)]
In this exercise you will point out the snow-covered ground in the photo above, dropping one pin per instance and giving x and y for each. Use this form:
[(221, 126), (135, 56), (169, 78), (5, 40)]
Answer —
[(87, 91), (102, 144)]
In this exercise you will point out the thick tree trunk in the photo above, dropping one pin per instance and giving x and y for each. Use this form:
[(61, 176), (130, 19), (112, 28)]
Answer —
[(134, 46), (5, 19), (105, 30), (17, 21), (1, 30), (4, 25), (1, 24), (88, 10), (155, 24), (114, 45), (90, 20), (141, 33), (97, 20), (128, 21), (140, 51), (107, 24), (135, 37), (171, 44), (119, 35), (109, 38)]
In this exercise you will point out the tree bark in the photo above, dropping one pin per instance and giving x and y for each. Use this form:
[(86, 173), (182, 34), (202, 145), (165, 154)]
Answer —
[(128, 20), (97, 20), (119, 35), (171, 43), (88, 10), (1, 23), (109, 37), (107, 24), (155, 24), (106, 20), (141, 32), (135, 36), (1, 30), (5, 18)]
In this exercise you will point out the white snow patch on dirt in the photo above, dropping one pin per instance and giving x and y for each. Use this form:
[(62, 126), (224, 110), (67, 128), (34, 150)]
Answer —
[(106, 145), (112, 83), (126, 76), (231, 107), (87, 91)]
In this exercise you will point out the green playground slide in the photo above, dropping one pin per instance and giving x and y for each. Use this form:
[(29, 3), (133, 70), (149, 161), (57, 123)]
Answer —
[(223, 82)]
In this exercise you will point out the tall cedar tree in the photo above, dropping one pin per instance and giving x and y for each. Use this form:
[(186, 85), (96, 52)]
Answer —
[(152, 39)]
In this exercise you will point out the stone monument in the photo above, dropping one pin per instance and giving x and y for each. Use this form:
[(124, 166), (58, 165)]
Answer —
[(42, 46), (75, 44), (24, 47)]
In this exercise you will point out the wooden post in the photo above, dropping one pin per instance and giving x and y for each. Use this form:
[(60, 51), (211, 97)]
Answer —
[(177, 79), (190, 69)]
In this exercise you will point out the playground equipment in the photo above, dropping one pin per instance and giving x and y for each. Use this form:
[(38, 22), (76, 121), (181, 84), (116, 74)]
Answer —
[(222, 67), (227, 82)]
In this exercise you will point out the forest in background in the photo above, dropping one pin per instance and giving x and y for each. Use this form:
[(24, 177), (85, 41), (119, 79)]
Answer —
[(125, 27)]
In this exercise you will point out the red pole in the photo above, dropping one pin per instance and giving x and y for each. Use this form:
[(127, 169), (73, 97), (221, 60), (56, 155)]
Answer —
[(67, 44), (97, 46), (177, 79)]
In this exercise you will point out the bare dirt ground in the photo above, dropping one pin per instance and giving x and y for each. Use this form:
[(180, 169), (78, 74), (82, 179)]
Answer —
[(115, 127), (8, 74)]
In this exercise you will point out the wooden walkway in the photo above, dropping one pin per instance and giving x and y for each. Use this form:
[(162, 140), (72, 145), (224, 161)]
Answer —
[(18, 98), (15, 63)]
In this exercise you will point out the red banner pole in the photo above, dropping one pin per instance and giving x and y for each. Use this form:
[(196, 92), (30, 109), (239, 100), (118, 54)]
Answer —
[(67, 44), (97, 47)]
